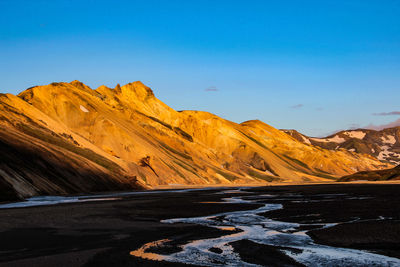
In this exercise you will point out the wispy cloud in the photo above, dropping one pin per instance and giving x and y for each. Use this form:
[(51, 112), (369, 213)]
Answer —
[(383, 126), (371, 126), (319, 109), (297, 106), (387, 113), (387, 125), (211, 89)]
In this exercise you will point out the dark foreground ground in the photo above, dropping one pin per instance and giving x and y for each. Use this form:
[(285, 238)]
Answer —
[(103, 233)]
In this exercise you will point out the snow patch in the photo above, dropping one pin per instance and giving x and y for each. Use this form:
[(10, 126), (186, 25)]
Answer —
[(83, 109), (335, 139), (306, 140), (384, 153), (355, 134), (389, 139)]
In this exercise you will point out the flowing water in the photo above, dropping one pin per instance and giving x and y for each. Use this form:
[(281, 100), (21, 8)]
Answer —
[(54, 200), (252, 226), (239, 225)]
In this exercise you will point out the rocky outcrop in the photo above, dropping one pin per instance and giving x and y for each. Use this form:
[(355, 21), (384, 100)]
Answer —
[(384, 144)]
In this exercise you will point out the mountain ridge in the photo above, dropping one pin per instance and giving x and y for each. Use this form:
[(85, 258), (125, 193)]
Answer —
[(382, 144), (153, 145)]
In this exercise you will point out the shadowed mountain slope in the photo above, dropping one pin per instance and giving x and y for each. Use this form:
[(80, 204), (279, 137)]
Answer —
[(379, 175)]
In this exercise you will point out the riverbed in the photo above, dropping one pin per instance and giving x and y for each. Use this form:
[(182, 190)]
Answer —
[(311, 225)]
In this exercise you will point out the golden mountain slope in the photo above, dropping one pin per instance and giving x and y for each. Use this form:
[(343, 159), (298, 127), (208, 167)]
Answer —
[(149, 141), (40, 156)]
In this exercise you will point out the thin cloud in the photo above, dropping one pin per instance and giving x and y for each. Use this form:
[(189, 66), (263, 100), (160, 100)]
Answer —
[(387, 113), (297, 106), (383, 126), (211, 89), (355, 126), (319, 109)]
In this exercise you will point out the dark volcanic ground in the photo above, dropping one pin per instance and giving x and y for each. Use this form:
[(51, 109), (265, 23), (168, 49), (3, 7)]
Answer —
[(104, 233)]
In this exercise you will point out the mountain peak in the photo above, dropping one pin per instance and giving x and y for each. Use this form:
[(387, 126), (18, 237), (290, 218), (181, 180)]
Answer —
[(103, 87), (76, 82), (117, 88), (254, 122), (80, 85), (136, 90)]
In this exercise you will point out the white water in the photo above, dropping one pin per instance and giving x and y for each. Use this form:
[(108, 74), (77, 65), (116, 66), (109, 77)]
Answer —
[(259, 229), (54, 200), (253, 227)]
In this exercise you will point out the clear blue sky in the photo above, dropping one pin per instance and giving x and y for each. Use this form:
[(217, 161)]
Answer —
[(316, 66)]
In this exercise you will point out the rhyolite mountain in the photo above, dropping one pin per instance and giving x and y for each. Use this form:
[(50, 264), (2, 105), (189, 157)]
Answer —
[(383, 144), (66, 138)]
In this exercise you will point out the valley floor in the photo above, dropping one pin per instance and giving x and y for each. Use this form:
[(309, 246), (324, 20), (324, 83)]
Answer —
[(364, 217)]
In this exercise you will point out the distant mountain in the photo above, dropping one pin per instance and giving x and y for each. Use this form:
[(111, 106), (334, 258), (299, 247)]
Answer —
[(384, 144), (380, 175), (67, 138)]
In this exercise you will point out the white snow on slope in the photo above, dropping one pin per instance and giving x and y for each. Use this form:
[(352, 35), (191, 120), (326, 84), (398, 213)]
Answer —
[(306, 140), (389, 139), (83, 108), (384, 153), (355, 134), (335, 139)]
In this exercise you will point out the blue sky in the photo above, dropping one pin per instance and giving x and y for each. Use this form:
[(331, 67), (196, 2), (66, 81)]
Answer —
[(316, 66)]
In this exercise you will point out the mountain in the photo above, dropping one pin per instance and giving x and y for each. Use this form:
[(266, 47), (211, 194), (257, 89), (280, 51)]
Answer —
[(39, 157), (384, 144), (67, 138), (380, 175)]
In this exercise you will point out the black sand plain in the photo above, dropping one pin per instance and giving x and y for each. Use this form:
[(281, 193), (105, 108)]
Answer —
[(103, 233)]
